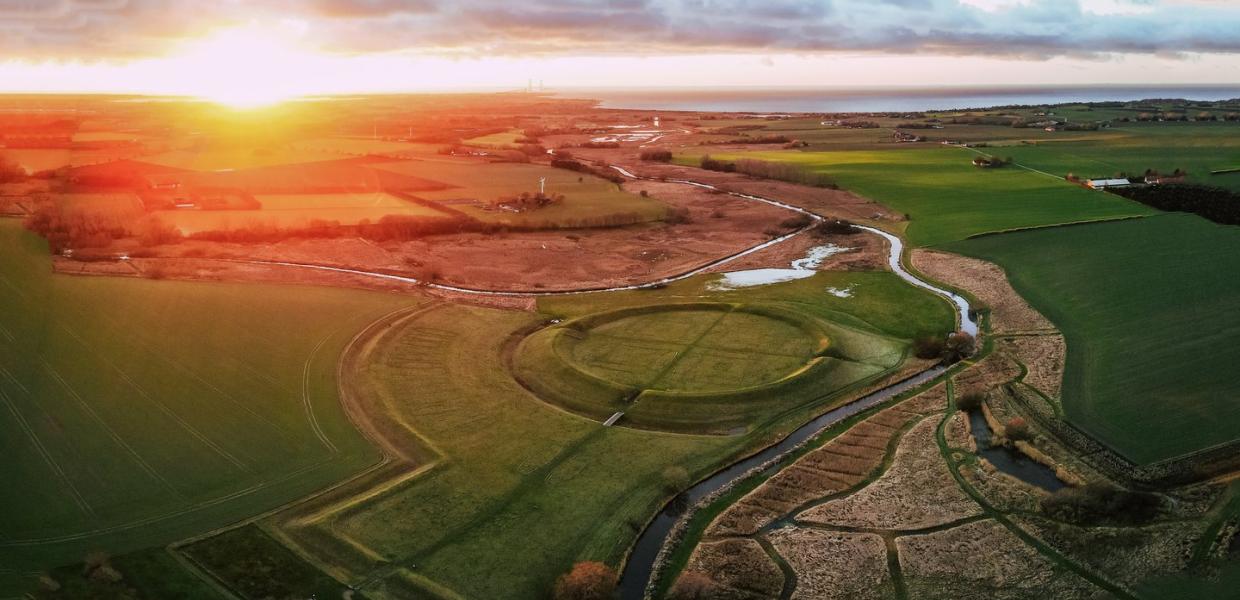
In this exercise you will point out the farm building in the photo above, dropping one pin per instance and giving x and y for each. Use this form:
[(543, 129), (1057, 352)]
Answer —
[(1099, 184)]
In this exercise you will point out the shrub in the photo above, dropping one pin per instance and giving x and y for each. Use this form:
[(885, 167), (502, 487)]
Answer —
[(586, 581), (1101, 502), (835, 227), (678, 216), (929, 347), (959, 346), (1016, 429), (971, 400), (693, 585), (711, 164), (796, 221), (675, 479), (784, 171), (654, 155)]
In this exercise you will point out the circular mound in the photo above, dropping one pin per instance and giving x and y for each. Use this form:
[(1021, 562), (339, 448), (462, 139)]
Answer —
[(711, 348), (701, 367)]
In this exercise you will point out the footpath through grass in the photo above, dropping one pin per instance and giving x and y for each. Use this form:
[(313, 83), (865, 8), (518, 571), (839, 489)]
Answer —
[(1148, 307), (136, 412), (946, 197)]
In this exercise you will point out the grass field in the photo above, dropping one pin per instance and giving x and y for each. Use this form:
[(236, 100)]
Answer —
[(136, 412), (294, 210), (946, 197), (1132, 148), (667, 371), (477, 184), (1148, 308), (500, 492), (699, 349)]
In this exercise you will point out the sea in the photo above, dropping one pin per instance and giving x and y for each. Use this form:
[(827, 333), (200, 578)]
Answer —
[(890, 99)]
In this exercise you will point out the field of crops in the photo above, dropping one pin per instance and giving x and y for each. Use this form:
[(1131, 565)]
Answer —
[(946, 197), (136, 412), (587, 199), (1198, 148), (1148, 308), (298, 210)]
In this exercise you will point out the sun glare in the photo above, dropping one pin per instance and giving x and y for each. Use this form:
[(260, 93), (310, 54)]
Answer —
[(248, 68)]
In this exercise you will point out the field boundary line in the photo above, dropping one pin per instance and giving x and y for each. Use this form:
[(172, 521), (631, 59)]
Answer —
[(1054, 226), (112, 433), (46, 454), (305, 395)]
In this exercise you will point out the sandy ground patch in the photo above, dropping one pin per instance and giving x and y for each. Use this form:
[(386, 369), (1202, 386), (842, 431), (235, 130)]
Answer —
[(740, 565), (981, 560), (1043, 357), (831, 565), (1009, 312), (915, 492)]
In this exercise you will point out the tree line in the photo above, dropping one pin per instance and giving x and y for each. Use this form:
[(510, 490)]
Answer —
[(1216, 204)]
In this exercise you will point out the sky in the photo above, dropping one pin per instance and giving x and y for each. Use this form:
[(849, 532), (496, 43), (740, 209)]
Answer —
[(281, 48)]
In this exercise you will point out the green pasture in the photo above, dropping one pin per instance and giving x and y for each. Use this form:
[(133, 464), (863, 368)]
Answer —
[(946, 197), (136, 412), (1148, 309), (1131, 148), (512, 490)]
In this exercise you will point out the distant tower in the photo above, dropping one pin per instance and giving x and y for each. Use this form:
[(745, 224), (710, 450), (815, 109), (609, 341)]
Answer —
[(542, 186), (540, 85)]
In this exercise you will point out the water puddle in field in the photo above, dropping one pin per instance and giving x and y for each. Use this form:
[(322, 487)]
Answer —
[(1011, 461), (817, 255), (801, 268), (841, 292), (752, 277)]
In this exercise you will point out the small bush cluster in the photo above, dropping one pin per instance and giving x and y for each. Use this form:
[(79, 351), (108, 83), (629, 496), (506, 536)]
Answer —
[(1101, 503), (586, 581), (656, 155)]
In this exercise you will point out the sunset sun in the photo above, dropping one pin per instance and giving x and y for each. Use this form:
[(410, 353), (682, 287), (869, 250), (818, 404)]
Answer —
[(619, 299), (245, 68)]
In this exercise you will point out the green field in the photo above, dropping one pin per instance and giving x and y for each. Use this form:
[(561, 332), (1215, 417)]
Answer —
[(496, 493), (1148, 307), (298, 210), (946, 197), (587, 199), (1198, 148), (137, 412), (702, 348)]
